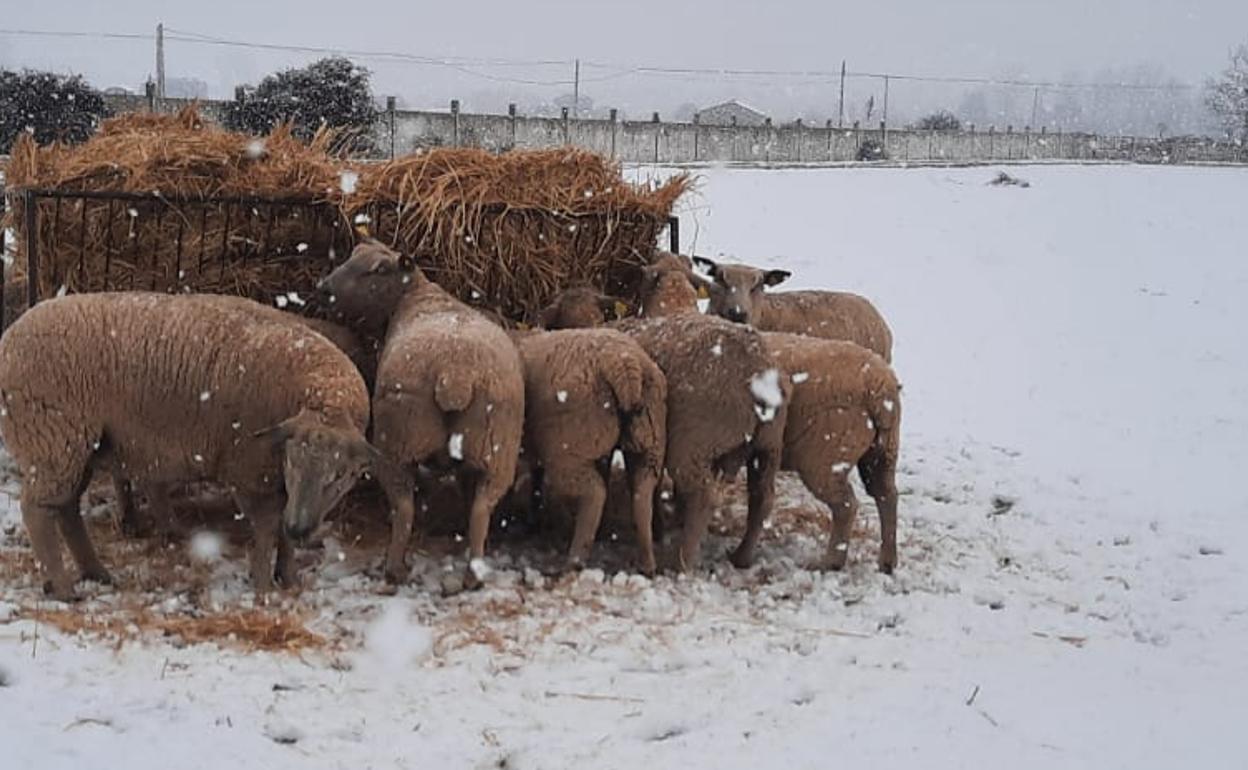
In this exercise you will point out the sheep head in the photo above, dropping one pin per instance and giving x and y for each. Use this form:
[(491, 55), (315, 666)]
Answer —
[(321, 461), (737, 290), (669, 286), (366, 289), (580, 307)]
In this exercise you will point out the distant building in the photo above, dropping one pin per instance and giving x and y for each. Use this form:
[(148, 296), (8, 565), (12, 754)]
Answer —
[(723, 114)]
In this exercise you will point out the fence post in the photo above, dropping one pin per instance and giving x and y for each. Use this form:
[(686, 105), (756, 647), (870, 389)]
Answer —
[(32, 248), (658, 127), (828, 127), (455, 122), (1059, 155), (673, 234), (1009, 144), (1133, 149), (563, 117), (614, 125), (511, 115), (390, 109), (149, 90), (992, 141), (732, 122), (767, 146), (1027, 142), (797, 128), (857, 140), (696, 132)]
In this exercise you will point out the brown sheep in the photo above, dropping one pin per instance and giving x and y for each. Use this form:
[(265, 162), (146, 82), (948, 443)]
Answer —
[(726, 404), (845, 411), (737, 293), (176, 389), (588, 391), (134, 524), (450, 390)]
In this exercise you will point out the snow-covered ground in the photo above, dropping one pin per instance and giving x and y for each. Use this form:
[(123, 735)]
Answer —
[(1072, 589)]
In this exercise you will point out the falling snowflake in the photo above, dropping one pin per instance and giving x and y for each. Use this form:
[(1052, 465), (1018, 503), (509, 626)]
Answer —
[(347, 180), (255, 148), (204, 395), (455, 446), (562, 396), (800, 377)]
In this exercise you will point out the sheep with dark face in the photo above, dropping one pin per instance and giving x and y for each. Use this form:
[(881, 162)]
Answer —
[(176, 389), (738, 293), (449, 391)]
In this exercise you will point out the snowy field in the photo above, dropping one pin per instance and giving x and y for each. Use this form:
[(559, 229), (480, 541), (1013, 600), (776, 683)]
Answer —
[(1072, 589)]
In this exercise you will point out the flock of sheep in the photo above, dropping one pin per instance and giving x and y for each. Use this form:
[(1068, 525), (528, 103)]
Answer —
[(162, 390)]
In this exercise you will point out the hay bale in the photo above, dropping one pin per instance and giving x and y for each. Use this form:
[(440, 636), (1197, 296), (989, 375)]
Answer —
[(502, 232), (507, 232), (176, 243)]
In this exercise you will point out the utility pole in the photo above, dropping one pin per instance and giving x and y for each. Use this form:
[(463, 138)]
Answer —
[(576, 90), (1035, 106), (840, 110), (160, 61), (885, 115)]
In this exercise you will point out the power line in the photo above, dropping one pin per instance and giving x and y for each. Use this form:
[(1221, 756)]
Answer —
[(466, 66)]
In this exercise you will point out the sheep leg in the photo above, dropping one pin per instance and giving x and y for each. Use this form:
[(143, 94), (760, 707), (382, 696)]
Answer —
[(586, 487), (265, 515), (80, 547), (286, 574), (400, 493), (40, 521), (489, 490), (761, 482), (880, 480), (643, 481), (834, 491), (132, 523), (697, 498)]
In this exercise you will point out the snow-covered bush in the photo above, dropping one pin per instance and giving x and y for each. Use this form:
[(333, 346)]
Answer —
[(52, 107), (333, 92)]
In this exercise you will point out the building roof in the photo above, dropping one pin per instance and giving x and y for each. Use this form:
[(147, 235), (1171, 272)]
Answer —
[(725, 111)]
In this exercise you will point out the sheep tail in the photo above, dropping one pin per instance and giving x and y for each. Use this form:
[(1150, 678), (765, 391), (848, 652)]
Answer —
[(626, 379), (453, 390)]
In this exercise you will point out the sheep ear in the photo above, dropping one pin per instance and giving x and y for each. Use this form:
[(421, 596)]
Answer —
[(776, 277), (712, 269), (406, 263), (283, 431)]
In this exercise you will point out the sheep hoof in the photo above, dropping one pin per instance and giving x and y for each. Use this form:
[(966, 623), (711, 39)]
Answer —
[(98, 574), (887, 567), (396, 575), (62, 593), (742, 559), (471, 582)]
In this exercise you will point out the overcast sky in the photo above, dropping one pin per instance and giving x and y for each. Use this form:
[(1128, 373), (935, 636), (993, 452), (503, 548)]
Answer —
[(1050, 39)]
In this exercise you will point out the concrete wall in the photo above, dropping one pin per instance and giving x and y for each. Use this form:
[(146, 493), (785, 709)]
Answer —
[(404, 131)]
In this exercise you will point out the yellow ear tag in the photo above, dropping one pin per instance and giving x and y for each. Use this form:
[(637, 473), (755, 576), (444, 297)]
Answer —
[(702, 292), (362, 230), (621, 309), (522, 326)]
